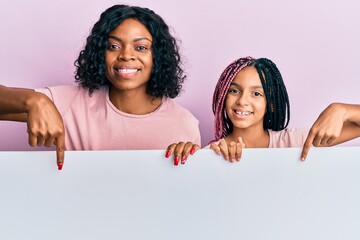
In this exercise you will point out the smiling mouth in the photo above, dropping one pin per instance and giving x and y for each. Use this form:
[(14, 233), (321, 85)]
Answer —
[(126, 70), (243, 113)]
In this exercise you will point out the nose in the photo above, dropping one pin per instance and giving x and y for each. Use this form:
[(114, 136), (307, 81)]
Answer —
[(243, 99), (126, 54)]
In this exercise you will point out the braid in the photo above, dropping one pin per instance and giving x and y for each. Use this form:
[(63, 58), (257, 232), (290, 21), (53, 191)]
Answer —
[(222, 124), (277, 114)]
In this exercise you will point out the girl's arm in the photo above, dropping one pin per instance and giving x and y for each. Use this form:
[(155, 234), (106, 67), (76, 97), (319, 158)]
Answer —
[(338, 123), (44, 122)]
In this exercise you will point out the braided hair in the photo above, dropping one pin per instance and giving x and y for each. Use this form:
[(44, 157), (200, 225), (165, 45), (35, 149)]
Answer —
[(277, 114)]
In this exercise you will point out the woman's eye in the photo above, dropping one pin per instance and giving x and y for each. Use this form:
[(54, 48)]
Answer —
[(141, 48), (113, 46)]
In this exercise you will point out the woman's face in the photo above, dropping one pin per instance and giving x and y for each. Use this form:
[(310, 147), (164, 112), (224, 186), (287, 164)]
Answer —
[(129, 58), (245, 101)]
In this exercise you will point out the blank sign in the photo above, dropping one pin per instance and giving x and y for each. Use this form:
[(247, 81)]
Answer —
[(269, 194)]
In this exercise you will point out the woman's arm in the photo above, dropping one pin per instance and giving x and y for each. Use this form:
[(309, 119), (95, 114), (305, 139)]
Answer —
[(44, 122), (338, 123), (14, 103)]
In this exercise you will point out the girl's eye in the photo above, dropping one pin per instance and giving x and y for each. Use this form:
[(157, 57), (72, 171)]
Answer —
[(234, 91), (257, 94)]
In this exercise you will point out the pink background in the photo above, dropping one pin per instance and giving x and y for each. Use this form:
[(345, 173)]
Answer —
[(315, 44)]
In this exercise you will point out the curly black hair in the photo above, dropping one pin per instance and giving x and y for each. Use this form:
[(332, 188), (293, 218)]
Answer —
[(167, 74)]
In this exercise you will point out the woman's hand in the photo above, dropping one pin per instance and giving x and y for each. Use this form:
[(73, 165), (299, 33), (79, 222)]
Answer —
[(44, 122), (231, 152), (181, 151), (336, 124), (45, 125)]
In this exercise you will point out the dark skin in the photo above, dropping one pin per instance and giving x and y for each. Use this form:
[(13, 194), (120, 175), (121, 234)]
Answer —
[(338, 123), (44, 122), (129, 63)]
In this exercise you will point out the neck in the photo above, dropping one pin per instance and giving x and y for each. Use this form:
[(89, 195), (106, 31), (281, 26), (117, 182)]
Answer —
[(253, 138), (134, 102)]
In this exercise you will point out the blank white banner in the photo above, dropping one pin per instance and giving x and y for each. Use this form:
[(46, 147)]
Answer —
[(269, 194)]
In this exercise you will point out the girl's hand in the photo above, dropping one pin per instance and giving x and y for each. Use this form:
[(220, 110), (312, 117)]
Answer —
[(231, 152), (45, 126), (181, 151)]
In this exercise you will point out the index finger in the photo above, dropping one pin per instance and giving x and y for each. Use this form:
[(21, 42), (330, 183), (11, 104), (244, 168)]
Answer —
[(60, 151), (307, 145), (170, 149)]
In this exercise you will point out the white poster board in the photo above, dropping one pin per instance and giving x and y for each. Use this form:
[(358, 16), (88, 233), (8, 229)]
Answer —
[(269, 194)]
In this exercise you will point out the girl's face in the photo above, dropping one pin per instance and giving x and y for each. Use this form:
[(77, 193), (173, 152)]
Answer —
[(245, 101), (129, 59)]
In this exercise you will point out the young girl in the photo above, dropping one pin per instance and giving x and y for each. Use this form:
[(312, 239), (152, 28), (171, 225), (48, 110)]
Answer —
[(252, 109), (128, 73)]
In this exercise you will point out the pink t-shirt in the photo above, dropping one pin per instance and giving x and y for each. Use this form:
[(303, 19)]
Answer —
[(92, 122), (286, 138)]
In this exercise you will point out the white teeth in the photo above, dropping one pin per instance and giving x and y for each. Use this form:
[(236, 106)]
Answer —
[(125, 70), (245, 113)]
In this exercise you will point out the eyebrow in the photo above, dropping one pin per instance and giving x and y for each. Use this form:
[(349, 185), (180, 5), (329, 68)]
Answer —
[(135, 40), (255, 86)]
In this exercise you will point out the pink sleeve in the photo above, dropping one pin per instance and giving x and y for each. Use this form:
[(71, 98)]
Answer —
[(62, 96)]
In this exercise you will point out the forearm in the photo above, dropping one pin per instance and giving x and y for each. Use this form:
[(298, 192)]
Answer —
[(351, 127), (352, 113), (16, 102)]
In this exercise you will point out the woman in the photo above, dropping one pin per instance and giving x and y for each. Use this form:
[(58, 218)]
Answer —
[(128, 73)]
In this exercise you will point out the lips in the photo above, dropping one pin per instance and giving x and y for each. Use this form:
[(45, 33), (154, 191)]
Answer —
[(243, 113), (126, 70)]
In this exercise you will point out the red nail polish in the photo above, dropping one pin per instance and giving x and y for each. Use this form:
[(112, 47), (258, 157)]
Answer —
[(176, 161), (183, 160), (192, 150), (167, 155), (60, 165)]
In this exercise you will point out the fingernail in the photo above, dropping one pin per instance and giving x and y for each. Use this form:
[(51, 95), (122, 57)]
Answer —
[(176, 161), (167, 155), (183, 160), (192, 150), (60, 165), (302, 158)]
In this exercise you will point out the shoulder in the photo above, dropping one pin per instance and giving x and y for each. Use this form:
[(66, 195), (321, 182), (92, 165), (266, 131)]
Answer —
[(61, 92), (289, 137), (63, 96), (180, 120)]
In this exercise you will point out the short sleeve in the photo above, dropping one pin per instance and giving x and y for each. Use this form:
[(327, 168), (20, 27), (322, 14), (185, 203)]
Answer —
[(62, 96)]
